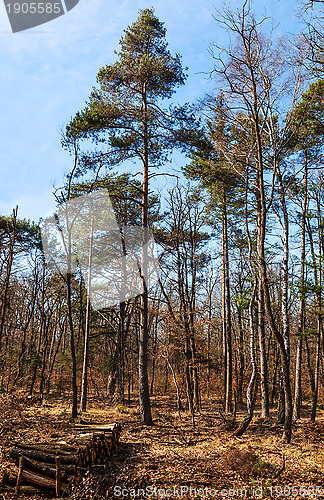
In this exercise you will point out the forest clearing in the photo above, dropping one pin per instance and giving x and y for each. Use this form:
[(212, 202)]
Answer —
[(172, 453), (162, 330)]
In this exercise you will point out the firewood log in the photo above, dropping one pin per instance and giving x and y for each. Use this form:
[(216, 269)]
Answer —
[(51, 448), (100, 427), (50, 465), (44, 469), (31, 477), (43, 457)]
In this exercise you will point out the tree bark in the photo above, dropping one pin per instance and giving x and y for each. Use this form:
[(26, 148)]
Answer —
[(262, 269), (263, 358), (72, 346), (301, 313), (249, 394), (84, 386), (144, 393), (318, 281), (227, 326), (284, 288)]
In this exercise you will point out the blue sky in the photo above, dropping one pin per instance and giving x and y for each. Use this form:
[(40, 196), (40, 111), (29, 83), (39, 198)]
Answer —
[(47, 73)]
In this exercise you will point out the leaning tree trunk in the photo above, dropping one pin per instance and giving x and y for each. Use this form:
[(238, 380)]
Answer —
[(283, 354), (261, 207), (249, 394)]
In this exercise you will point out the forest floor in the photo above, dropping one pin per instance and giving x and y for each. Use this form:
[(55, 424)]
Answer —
[(173, 460)]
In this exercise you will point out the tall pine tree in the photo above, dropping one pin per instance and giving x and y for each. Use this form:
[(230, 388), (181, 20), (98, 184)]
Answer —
[(125, 116)]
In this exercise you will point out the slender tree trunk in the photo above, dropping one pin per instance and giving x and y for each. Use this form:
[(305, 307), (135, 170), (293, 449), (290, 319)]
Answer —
[(301, 315), (227, 326), (309, 366), (281, 401), (72, 346), (284, 288), (30, 319), (208, 346), (317, 366), (241, 363), (45, 358), (261, 222), (263, 357), (166, 377), (154, 353), (194, 371), (116, 377), (144, 394), (249, 394), (276, 357), (179, 405), (123, 328), (190, 305), (262, 269), (318, 281), (51, 367), (84, 386), (188, 381)]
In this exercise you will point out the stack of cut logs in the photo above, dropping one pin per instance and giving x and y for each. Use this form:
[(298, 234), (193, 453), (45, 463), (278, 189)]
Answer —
[(50, 465)]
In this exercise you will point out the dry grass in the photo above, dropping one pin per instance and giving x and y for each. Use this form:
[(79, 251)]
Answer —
[(172, 454)]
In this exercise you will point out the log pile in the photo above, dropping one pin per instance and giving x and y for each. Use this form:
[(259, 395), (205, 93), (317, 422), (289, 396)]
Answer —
[(51, 465)]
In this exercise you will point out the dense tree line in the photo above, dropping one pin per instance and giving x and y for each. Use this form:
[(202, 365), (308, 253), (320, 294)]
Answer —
[(237, 312)]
